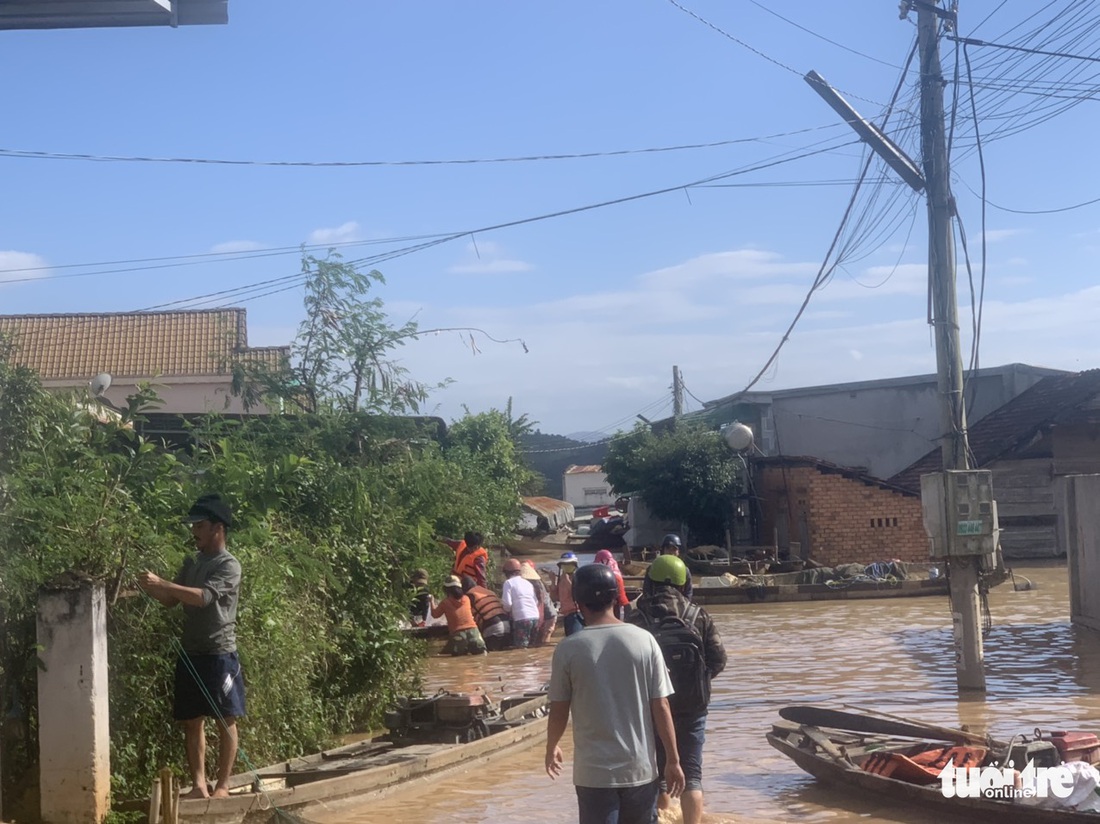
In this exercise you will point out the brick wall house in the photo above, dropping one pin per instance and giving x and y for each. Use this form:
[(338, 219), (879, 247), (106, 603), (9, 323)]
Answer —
[(836, 515)]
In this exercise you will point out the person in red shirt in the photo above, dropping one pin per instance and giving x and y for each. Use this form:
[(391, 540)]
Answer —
[(465, 638), (471, 558)]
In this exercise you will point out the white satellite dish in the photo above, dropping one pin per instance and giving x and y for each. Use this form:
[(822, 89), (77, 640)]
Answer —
[(738, 436), (100, 384)]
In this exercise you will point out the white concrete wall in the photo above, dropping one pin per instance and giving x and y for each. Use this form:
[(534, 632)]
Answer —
[(178, 395), (1079, 519), (586, 490), (73, 734)]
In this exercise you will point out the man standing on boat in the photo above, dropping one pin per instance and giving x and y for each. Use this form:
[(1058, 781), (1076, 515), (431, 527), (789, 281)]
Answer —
[(694, 654), (611, 677), (471, 558), (208, 674)]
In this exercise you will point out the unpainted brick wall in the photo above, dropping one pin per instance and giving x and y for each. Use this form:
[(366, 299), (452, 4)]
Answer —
[(848, 520)]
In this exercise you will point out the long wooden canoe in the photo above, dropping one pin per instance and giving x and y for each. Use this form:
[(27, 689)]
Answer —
[(834, 758), (354, 771)]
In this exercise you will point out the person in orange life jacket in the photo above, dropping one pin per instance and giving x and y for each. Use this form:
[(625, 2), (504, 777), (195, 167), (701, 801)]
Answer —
[(465, 638), (562, 592), (471, 558), (671, 545), (489, 614), (549, 615), (665, 612), (605, 557)]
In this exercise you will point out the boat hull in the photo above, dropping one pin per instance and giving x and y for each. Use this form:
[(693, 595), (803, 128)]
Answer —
[(831, 771), (295, 786)]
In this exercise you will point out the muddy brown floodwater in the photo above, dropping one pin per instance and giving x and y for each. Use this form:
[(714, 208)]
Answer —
[(890, 655)]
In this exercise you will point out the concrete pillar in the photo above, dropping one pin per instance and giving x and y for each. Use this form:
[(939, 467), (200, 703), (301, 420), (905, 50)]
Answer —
[(74, 745), (1078, 507)]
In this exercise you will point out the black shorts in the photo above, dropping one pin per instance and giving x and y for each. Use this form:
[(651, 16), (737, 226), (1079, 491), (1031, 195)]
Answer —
[(208, 685)]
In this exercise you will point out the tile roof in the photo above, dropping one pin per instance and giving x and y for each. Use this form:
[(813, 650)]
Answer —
[(1053, 400), (134, 344)]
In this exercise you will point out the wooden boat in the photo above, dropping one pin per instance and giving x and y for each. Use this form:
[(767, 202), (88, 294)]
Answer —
[(842, 758), (784, 587), (427, 735)]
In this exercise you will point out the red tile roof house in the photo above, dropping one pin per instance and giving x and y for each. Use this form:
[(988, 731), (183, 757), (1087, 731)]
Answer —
[(188, 356)]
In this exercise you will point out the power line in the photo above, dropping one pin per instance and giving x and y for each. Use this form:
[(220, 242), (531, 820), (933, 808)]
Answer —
[(786, 157), (325, 164), (821, 36), (970, 41), (1030, 211), (757, 51)]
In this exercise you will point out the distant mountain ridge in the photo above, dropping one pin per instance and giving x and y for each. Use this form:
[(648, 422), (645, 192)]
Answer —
[(550, 455), (587, 437)]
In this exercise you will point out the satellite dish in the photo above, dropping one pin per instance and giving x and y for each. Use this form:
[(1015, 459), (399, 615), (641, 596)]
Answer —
[(100, 384), (738, 436)]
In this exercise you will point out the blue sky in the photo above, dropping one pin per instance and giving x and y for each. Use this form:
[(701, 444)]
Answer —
[(607, 300)]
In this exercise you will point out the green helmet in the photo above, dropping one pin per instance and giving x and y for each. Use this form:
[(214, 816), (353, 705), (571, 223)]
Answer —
[(668, 569)]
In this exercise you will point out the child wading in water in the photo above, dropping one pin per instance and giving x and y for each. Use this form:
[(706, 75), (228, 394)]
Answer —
[(465, 638)]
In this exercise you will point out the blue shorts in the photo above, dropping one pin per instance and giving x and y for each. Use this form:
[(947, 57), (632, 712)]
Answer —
[(208, 685), (618, 805), (573, 622), (690, 734)]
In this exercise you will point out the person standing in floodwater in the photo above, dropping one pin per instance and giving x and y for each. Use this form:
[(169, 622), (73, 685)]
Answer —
[(562, 592), (209, 681), (612, 678)]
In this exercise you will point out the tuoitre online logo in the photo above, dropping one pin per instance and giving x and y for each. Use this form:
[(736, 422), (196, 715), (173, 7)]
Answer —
[(1005, 782)]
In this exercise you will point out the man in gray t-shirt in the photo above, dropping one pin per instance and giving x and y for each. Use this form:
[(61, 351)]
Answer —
[(209, 681), (612, 677)]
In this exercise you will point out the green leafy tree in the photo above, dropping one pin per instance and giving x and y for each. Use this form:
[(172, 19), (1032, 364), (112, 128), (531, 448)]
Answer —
[(687, 474), (342, 357), (334, 511)]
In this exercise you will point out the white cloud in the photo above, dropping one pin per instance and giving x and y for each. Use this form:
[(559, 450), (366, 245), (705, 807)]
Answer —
[(720, 332), (993, 235), (236, 246), (340, 234), (19, 266), (737, 265), (488, 258)]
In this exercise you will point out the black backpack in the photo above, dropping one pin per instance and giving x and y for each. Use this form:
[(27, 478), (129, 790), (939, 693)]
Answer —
[(685, 656)]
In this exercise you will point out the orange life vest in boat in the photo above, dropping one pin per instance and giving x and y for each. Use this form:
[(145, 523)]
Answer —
[(488, 609), (922, 767)]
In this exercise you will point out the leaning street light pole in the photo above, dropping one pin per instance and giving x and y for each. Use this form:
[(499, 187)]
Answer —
[(933, 177)]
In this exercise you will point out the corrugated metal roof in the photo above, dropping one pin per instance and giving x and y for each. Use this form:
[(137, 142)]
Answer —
[(1053, 400), (580, 470), (557, 513), (135, 344)]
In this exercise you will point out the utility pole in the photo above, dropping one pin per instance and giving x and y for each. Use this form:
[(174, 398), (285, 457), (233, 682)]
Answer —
[(677, 393), (965, 605)]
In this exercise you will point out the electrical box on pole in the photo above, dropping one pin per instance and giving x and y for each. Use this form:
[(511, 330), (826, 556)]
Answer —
[(960, 514)]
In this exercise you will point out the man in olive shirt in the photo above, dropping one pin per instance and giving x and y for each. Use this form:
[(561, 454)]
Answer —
[(208, 674)]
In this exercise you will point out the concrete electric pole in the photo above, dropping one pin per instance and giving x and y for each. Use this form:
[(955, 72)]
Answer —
[(935, 182), (965, 603)]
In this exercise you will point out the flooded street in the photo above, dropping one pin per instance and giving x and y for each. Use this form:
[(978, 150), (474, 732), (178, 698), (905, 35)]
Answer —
[(889, 655)]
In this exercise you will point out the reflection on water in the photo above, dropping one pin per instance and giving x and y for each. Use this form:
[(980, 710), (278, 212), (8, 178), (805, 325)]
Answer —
[(894, 656)]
